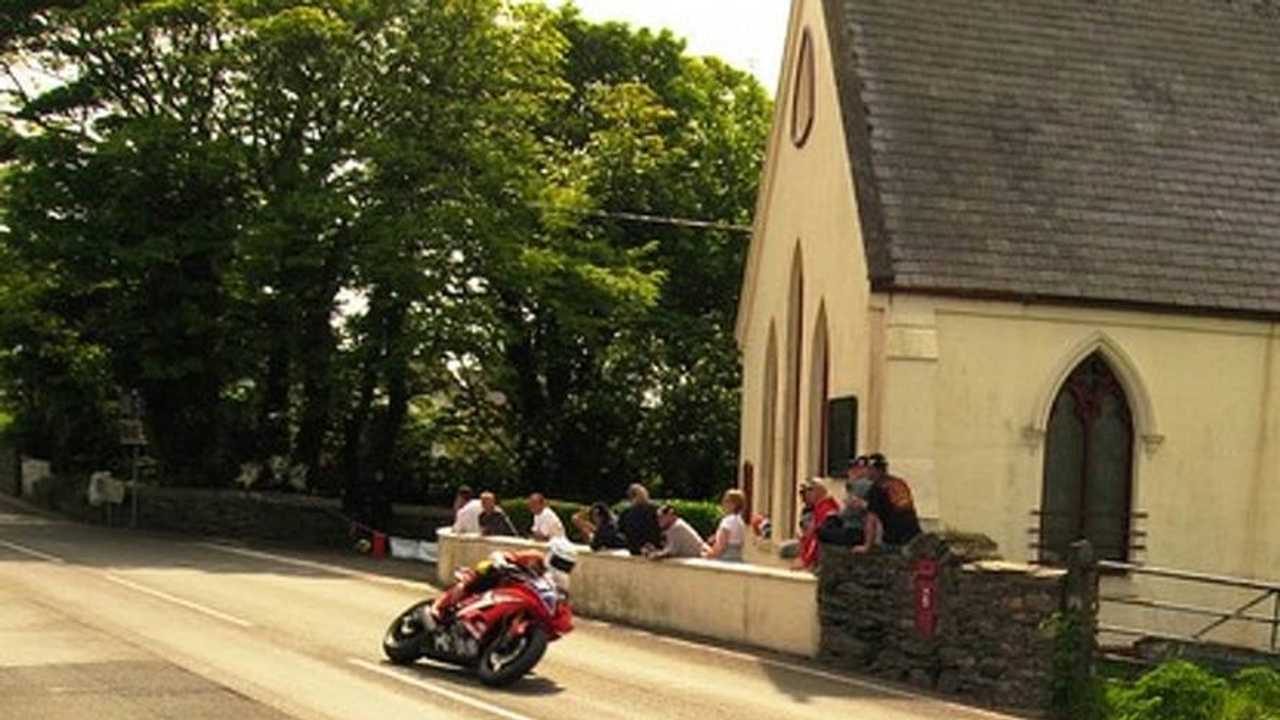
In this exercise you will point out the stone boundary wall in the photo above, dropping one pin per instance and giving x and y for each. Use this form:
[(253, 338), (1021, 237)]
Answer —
[(733, 602), (992, 641), (279, 517)]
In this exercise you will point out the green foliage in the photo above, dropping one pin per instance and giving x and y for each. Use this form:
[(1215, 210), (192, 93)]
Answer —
[(198, 187), (1254, 695), (1179, 690), (1074, 694), (703, 515), (518, 511), (1174, 691)]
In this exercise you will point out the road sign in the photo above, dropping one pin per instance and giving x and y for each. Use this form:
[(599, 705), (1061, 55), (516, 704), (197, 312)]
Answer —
[(132, 433)]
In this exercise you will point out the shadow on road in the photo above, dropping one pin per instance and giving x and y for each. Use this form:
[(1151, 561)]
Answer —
[(460, 678), (101, 547)]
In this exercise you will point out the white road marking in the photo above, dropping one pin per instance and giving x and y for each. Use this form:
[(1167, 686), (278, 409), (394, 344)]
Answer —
[(33, 553), (175, 600), (319, 566), (441, 691), (110, 577)]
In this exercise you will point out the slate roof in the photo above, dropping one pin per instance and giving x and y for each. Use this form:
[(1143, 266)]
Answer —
[(1101, 151)]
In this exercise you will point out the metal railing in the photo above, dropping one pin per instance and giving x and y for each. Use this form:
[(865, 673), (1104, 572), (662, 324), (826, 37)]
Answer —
[(1268, 592), (1043, 552)]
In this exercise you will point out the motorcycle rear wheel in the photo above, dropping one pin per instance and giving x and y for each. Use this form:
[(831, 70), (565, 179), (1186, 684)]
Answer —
[(506, 660), (403, 642)]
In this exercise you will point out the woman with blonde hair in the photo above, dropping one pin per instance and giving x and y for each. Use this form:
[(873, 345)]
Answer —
[(727, 543)]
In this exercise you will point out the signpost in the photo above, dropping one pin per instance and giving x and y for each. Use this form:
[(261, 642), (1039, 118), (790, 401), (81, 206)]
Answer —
[(133, 434)]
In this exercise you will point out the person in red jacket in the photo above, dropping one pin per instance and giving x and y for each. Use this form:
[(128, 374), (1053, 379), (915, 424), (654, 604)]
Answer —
[(814, 494)]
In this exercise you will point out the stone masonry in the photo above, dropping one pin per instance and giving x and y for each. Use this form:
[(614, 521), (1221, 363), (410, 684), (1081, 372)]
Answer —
[(990, 644)]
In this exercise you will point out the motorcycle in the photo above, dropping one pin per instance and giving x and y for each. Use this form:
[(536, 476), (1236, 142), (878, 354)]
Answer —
[(500, 633)]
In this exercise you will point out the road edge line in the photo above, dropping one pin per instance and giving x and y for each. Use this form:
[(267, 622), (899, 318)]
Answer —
[(453, 695), (422, 587), (32, 552), (197, 607)]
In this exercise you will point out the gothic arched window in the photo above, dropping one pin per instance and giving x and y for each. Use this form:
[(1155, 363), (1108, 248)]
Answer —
[(1088, 465)]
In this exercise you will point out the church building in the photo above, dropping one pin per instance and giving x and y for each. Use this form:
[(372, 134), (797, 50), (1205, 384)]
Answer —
[(1029, 250)]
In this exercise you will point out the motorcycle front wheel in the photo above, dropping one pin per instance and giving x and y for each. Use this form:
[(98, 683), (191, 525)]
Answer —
[(507, 659), (403, 642)]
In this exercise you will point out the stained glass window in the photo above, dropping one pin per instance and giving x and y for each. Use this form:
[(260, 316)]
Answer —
[(1088, 465)]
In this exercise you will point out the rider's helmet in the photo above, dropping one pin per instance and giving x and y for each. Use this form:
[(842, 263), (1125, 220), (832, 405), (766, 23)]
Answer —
[(561, 559)]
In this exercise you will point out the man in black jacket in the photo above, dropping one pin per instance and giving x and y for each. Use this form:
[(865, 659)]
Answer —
[(639, 522)]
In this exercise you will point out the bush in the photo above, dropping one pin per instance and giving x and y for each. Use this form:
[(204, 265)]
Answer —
[(1255, 695), (703, 515), (518, 511), (1176, 690)]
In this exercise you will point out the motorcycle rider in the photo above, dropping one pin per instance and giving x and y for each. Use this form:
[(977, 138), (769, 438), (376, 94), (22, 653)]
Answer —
[(556, 563)]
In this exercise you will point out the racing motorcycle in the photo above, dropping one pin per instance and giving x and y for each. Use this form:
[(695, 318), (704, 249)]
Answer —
[(500, 632)]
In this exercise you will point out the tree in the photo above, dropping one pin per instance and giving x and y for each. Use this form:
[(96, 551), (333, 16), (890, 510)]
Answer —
[(362, 237), (641, 382)]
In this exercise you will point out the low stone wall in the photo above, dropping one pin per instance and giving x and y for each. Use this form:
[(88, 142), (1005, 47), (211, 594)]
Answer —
[(739, 603), (991, 641), (279, 517)]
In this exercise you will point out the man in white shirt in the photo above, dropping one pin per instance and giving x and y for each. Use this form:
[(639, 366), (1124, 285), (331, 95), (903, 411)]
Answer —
[(466, 513), (546, 525)]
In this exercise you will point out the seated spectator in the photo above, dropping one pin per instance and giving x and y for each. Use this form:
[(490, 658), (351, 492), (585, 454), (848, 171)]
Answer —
[(815, 495), (727, 543), (681, 540), (546, 524), (790, 549), (599, 528), (639, 522), (493, 519), (761, 526), (466, 512), (891, 501), (853, 526)]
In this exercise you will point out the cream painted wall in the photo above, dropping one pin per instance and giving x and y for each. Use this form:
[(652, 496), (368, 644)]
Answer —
[(968, 387), (807, 199), (761, 607), (957, 392)]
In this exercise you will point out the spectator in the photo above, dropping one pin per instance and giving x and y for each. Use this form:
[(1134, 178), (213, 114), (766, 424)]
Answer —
[(599, 528), (891, 501), (853, 526), (546, 524), (681, 540), (727, 543), (790, 549), (493, 519), (639, 522), (815, 495), (466, 512)]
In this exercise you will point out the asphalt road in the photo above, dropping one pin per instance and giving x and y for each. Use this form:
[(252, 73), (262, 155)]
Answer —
[(100, 623)]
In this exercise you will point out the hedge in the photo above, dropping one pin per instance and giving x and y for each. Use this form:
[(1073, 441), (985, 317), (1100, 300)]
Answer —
[(703, 515), (520, 515)]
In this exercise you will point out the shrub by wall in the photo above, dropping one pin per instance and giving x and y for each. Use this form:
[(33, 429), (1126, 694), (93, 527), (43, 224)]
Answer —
[(520, 515), (1179, 690)]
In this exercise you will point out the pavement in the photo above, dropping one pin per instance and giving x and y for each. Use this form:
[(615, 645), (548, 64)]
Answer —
[(109, 623)]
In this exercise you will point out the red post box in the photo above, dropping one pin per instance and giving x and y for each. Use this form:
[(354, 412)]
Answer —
[(379, 549), (924, 579)]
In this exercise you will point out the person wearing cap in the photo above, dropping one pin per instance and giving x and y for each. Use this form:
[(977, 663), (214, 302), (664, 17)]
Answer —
[(814, 493), (891, 502)]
